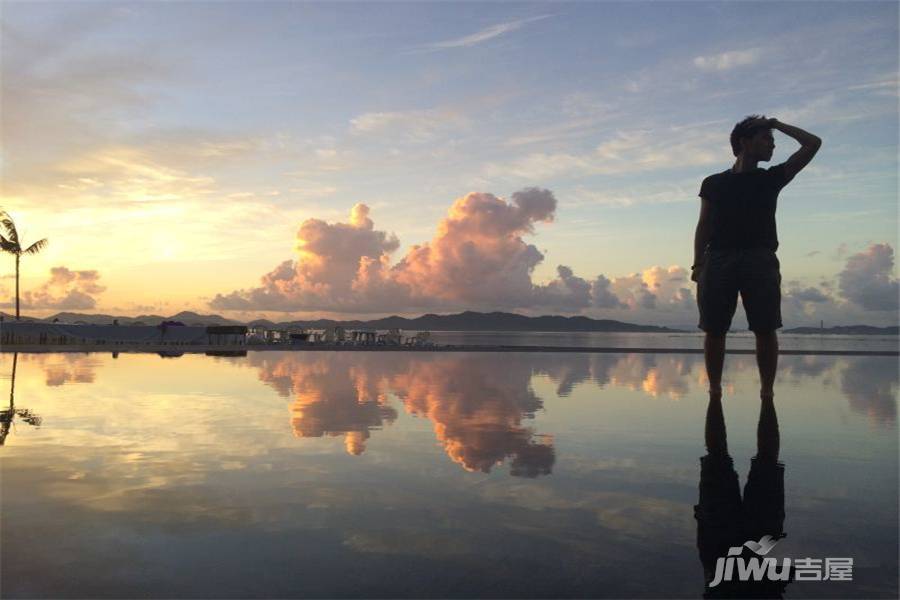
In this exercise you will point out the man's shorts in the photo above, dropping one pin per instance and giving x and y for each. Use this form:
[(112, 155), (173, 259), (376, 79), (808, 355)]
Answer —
[(754, 274)]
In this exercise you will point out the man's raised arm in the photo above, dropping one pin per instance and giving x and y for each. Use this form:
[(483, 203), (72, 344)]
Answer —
[(809, 145)]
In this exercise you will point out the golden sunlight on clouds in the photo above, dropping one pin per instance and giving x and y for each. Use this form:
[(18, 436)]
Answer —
[(65, 289), (129, 174), (477, 258)]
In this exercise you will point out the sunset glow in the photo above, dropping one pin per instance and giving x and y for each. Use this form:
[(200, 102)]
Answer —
[(352, 160)]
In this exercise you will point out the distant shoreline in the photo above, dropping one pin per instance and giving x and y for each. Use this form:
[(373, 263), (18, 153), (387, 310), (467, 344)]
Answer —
[(242, 350)]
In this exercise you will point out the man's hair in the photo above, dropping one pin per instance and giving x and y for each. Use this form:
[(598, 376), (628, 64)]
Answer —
[(745, 129)]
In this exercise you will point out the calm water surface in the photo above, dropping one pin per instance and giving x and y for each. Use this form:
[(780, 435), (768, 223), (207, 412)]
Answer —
[(738, 340), (370, 474)]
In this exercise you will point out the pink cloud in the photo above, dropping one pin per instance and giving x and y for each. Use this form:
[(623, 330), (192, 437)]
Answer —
[(477, 258), (65, 289)]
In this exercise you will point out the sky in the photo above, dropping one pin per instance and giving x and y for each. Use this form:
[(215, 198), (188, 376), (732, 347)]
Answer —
[(290, 160)]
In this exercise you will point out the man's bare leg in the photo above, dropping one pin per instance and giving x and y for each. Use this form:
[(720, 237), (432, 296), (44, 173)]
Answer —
[(767, 361), (714, 355)]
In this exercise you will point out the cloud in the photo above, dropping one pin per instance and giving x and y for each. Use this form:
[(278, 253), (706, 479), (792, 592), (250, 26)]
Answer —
[(477, 258), (64, 290), (131, 174), (633, 292), (602, 294), (725, 61), (478, 254), (810, 304), (655, 295), (634, 195), (331, 257), (567, 291), (61, 96), (809, 294), (627, 151), (483, 35), (415, 125), (867, 279), (672, 285)]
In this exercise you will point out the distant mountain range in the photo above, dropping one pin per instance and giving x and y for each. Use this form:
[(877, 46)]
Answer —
[(465, 321)]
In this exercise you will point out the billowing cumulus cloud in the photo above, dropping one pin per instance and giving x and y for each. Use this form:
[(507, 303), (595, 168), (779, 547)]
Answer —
[(868, 279), (567, 291), (807, 305), (477, 258), (478, 255), (327, 272), (671, 286), (64, 290), (633, 292), (602, 294)]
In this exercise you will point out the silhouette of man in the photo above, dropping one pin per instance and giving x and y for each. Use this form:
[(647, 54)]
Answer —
[(736, 240)]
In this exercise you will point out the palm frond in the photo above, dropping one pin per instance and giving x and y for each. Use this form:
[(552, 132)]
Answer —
[(36, 247), (8, 246), (10, 227)]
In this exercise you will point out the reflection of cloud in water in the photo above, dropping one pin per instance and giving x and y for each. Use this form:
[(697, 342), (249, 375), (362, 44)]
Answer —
[(65, 367), (476, 409), (870, 385), (655, 374), (805, 366), (332, 396), (477, 412)]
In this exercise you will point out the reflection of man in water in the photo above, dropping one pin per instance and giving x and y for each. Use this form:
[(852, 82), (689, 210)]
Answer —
[(723, 518), (735, 244)]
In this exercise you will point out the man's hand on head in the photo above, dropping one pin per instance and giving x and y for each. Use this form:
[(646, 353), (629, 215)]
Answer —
[(765, 122)]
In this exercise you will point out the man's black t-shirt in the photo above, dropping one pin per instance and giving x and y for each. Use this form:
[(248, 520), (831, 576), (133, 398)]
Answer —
[(742, 207)]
